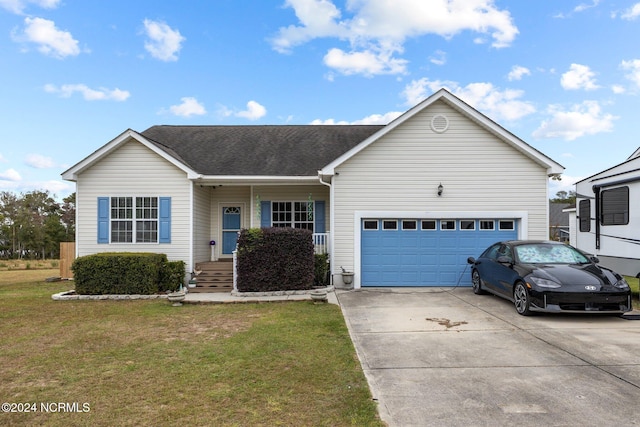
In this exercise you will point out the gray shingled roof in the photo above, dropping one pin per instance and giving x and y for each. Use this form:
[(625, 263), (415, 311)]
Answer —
[(556, 216), (258, 150)]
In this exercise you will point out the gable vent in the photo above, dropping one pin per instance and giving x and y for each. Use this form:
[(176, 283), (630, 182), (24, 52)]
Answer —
[(439, 123)]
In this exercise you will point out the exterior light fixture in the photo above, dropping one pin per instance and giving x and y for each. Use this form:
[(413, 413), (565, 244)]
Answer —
[(440, 189)]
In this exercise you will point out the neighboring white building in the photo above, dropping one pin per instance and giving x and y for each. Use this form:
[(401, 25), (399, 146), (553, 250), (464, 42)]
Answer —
[(400, 205), (607, 220)]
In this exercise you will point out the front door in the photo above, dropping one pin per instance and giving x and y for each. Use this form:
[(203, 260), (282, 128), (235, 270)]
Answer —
[(230, 228)]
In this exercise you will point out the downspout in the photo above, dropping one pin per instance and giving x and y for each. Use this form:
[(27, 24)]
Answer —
[(331, 233), (191, 264)]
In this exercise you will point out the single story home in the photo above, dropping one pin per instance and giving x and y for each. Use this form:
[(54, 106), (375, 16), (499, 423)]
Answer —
[(398, 205), (607, 216)]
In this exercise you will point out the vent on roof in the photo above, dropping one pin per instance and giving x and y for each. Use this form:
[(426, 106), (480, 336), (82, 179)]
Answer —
[(439, 123)]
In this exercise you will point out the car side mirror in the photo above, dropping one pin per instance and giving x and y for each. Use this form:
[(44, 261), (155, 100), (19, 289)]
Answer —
[(594, 259), (504, 260), (471, 260)]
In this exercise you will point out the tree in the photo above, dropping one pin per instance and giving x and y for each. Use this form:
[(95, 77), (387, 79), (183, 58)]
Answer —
[(565, 197), (68, 217), (33, 224), (9, 206)]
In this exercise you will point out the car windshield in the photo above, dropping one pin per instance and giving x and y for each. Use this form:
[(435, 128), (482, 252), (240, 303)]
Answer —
[(545, 253)]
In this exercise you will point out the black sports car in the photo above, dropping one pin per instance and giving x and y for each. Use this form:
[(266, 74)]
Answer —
[(549, 276)]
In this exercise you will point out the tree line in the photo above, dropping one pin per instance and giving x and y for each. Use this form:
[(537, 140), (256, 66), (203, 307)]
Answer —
[(33, 224)]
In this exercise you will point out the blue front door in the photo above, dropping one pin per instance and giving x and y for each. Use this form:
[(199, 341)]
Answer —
[(230, 228)]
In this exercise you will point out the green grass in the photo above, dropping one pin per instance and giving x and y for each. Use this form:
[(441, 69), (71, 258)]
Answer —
[(634, 284), (147, 363)]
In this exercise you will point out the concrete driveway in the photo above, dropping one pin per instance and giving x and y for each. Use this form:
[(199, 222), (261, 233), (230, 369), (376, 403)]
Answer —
[(447, 357)]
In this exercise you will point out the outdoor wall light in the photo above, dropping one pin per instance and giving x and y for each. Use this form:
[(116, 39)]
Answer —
[(440, 189)]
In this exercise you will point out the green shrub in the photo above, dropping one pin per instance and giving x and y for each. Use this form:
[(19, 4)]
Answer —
[(119, 273), (321, 270), (171, 276), (275, 259)]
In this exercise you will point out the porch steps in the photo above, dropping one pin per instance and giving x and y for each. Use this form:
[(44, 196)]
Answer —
[(214, 276)]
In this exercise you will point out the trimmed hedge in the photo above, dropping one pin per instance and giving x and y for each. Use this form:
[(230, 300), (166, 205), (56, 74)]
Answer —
[(275, 259), (321, 270), (126, 273)]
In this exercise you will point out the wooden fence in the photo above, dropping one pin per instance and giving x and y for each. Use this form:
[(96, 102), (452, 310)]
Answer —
[(67, 255)]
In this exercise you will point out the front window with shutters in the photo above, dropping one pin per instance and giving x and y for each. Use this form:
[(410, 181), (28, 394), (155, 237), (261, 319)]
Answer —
[(134, 219), (292, 214)]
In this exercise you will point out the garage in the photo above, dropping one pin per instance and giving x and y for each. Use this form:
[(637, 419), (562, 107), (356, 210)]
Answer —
[(426, 251)]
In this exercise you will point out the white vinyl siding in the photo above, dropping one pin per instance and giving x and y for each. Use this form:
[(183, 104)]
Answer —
[(129, 171), (202, 232), (402, 170)]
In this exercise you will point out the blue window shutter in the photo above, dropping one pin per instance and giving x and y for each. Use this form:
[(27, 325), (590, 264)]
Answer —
[(164, 220), (319, 226), (103, 220), (265, 214)]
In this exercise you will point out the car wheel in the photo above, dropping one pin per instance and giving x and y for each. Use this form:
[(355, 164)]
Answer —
[(476, 283), (521, 299)]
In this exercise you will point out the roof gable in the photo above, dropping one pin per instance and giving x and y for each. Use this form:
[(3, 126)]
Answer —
[(127, 136), (552, 167)]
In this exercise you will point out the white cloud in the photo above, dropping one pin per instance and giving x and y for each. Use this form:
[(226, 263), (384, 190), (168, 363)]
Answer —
[(633, 68), (18, 6), (580, 120), (366, 62), (632, 13), (56, 187), (495, 103), (517, 72), (189, 107), (374, 119), (51, 41), (39, 162), (618, 89), (164, 42), (584, 6), (100, 94), (579, 77), (318, 20), (378, 28), (438, 58), (254, 111), (10, 175)]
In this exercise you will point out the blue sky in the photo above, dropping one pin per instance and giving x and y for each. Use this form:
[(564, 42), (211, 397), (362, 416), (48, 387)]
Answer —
[(563, 75)]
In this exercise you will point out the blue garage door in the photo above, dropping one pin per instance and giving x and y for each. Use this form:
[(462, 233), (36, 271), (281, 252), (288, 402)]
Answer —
[(426, 252)]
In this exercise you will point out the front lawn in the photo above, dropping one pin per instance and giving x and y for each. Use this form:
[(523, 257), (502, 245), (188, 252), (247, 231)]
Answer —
[(147, 363), (634, 284)]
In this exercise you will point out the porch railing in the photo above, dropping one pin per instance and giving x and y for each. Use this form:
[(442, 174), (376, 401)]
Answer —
[(321, 243)]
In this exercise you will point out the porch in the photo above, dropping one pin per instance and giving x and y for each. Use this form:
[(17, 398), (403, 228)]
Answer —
[(220, 275)]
